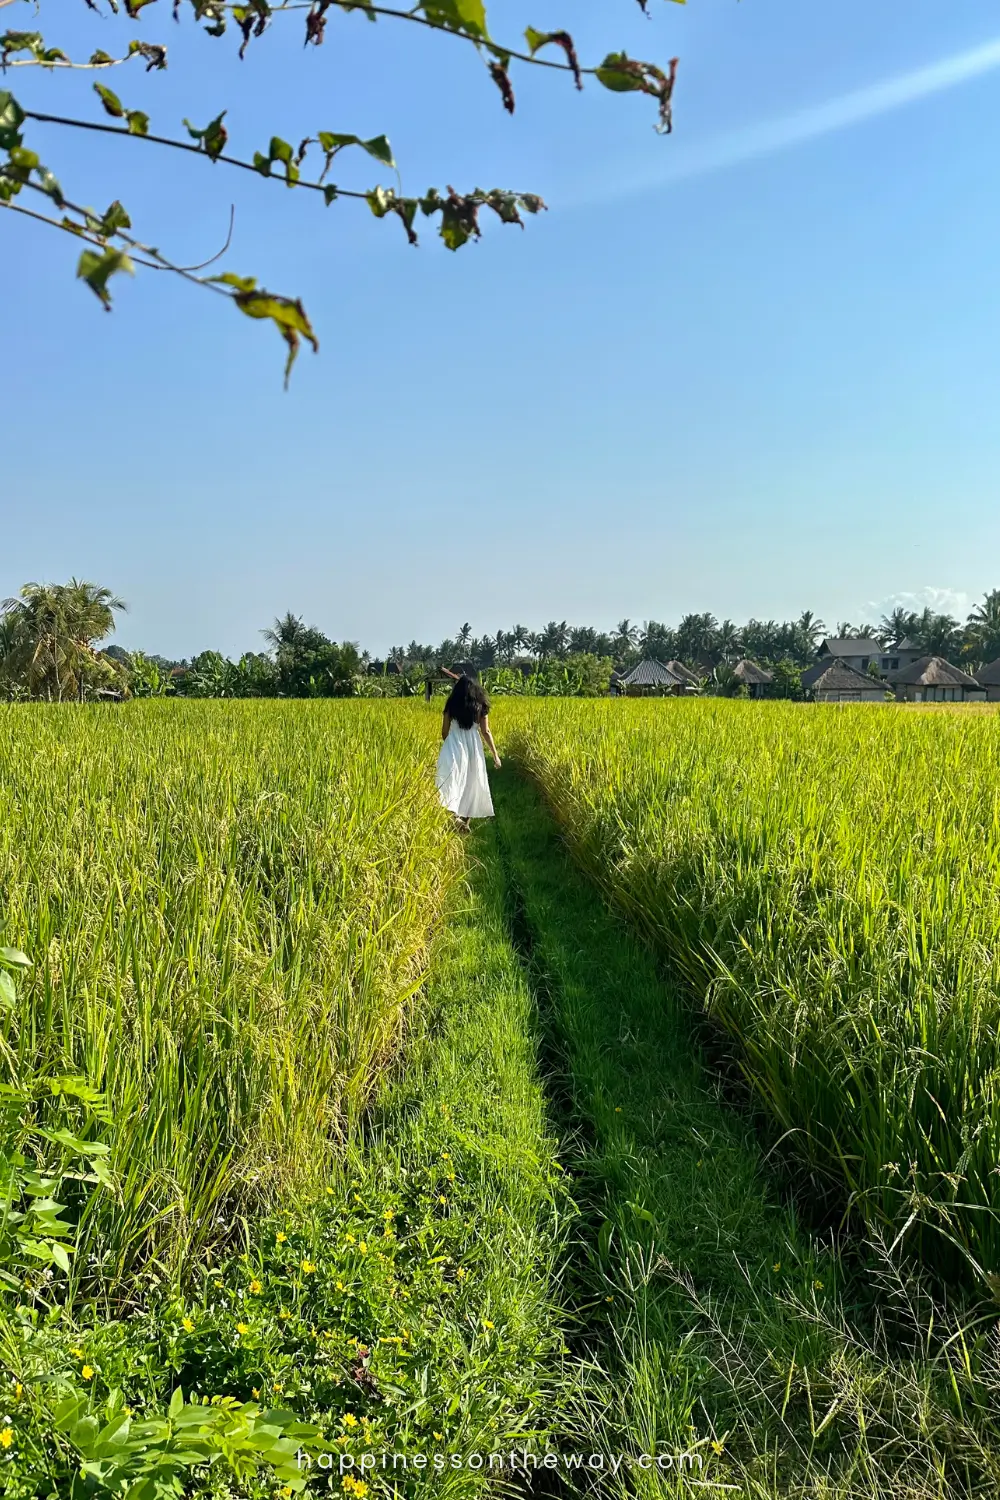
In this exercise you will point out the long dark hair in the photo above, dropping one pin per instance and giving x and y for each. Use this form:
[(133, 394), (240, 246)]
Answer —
[(467, 703)]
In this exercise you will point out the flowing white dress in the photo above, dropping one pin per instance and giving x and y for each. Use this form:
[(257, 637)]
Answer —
[(462, 782)]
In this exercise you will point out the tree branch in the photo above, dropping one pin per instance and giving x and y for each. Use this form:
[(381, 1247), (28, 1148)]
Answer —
[(162, 140)]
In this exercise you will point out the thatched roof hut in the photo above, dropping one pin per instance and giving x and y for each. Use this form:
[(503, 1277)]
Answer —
[(989, 676), (839, 683), (749, 672), (684, 673), (934, 680)]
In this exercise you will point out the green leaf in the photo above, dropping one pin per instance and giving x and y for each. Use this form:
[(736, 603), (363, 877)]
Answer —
[(176, 1404), (458, 15), (96, 268), (61, 1257), (214, 136), (14, 958), (110, 100), (49, 184), (378, 146), (241, 283), (11, 120), (287, 315), (114, 219), (8, 994)]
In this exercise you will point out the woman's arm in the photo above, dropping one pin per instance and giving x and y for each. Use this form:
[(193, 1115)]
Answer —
[(445, 724), (484, 730)]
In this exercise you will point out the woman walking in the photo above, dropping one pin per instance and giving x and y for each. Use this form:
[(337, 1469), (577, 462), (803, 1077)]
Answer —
[(461, 769)]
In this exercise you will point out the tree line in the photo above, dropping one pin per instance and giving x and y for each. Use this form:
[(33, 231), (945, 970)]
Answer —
[(52, 648)]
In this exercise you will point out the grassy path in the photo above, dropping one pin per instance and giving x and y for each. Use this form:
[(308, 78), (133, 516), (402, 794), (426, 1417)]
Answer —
[(719, 1325)]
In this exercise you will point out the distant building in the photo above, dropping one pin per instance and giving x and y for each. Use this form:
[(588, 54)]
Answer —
[(988, 677), (757, 681), (651, 679), (857, 651), (685, 675), (839, 683), (934, 680), (897, 658)]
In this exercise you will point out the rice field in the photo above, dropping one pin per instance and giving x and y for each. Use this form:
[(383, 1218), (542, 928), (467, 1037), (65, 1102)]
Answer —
[(227, 909), (827, 883)]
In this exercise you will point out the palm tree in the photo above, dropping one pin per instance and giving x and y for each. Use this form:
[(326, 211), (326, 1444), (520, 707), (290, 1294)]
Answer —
[(464, 636), (983, 627), (696, 638), (728, 642), (810, 629), (285, 632), (897, 625), (937, 635), (50, 636), (625, 637)]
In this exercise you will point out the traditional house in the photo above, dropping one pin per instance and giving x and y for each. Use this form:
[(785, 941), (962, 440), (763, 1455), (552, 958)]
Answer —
[(897, 658), (839, 683), (988, 677), (756, 680), (934, 680), (690, 679), (857, 651), (650, 679)]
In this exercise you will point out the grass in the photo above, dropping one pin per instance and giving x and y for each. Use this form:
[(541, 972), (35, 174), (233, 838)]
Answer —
[(228, 909), (708, 1319), (826, 882), (413, 1309), (505, 1209)]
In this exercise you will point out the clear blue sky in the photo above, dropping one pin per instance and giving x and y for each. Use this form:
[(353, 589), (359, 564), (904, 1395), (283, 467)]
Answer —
[(751, 367)]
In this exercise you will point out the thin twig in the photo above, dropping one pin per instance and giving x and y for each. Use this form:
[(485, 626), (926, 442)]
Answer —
[(38, 62), (133, 244), (77, 233)]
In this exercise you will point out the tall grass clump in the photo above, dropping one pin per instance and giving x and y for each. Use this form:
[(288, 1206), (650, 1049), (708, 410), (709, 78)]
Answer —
[(227, 908), (827, 882)]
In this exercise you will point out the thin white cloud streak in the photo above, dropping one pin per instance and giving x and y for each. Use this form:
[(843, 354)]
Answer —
[(824, 119)]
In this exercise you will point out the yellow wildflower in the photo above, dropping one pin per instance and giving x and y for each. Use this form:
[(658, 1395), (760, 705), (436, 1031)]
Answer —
[(255, 1393), (18, 1390), (187, 1325), (348, 1239), (242, 1328), (255, 1287), (76, 1353), (6, 1437), (776, 1266), (308, 1266), (487, 1323), (442, 1198), (717, 1446), (278, 1386), (461, 1273), (87, 1373), (340, 1286), (817, 1286), (350, 1420), (363, 1248), (281, 1237), (439, 1437), (329, 1192), (284, 1315)]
